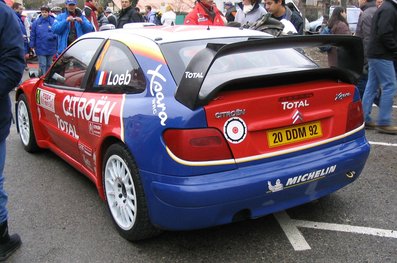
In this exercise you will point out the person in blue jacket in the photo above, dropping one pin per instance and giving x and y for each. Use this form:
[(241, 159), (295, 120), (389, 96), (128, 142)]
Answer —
[(43, 40), (70, 25), (12, 63)]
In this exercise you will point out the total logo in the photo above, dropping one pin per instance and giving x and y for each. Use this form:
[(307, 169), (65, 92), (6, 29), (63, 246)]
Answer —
[(110, 79), (235, 130), (287, 105)]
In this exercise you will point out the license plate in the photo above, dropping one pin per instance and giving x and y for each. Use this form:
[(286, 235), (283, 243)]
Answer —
[(293, 134)]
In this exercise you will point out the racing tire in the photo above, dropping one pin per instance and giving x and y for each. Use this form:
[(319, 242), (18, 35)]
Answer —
[(125, 196), (25, 127)]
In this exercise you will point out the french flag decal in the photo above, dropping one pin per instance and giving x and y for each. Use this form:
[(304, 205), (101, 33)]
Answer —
[(101, 78)]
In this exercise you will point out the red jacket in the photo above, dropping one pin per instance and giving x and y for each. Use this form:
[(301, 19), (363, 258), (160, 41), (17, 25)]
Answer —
[(198, 16)]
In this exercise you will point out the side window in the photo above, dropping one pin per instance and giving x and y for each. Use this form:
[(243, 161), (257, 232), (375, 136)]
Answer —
[(119, 72), (70, 69)]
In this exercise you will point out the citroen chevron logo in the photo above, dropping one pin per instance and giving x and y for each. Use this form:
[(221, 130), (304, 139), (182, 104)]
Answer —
[(297, 117)]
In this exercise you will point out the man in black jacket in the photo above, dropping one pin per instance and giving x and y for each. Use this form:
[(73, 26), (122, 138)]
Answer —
[(127, 14), (12, 64), (382, 51)]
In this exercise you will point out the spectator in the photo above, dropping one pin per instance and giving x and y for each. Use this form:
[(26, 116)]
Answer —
[(205, 13), (249, 11), (17, 7), (90, 12), (70, 25), (382, 51), (11, 70), (151, 16), (56, 10), (127, 14), (363, 31), (338, 25), (378, 3), (111, 18), (43, 40), (169, 16), (280, 11), (141, 18), (230, 11), (102, 19), (27, 23)]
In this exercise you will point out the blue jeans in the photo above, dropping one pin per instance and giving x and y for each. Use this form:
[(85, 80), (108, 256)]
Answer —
[(44, 63), (381, 73), (3, 194)]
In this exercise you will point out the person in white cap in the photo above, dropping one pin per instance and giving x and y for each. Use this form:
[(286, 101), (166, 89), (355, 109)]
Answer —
[(110, 16)]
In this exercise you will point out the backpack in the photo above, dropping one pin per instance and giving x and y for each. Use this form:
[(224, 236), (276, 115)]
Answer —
[(267, 24), (157, 18), (325, 31)]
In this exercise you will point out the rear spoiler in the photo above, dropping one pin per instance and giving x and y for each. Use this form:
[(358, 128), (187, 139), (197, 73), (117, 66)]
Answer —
[(349, 68)]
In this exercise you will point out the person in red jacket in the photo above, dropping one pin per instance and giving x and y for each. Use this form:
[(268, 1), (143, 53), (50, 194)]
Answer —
[(205, 13)]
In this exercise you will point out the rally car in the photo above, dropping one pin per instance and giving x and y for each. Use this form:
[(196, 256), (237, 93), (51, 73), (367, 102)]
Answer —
[(188, 127)]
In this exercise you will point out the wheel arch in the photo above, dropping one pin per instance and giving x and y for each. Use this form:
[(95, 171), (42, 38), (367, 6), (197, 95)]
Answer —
[(106, 143)]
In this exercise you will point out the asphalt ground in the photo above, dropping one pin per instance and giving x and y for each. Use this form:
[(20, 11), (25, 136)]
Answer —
[(61, 218)]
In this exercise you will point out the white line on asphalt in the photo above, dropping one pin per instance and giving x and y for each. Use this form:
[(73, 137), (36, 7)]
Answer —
[(293, 234), (298, 241), (383, 143), (346, 228)]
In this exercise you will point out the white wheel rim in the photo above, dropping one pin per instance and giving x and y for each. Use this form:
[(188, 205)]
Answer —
[(120, 192), (23, 123)]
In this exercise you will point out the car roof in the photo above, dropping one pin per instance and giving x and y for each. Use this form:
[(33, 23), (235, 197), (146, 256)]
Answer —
[(167, 34)]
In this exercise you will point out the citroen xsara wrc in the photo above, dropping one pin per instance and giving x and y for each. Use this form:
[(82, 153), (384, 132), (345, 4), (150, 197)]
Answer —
[(189, 127)]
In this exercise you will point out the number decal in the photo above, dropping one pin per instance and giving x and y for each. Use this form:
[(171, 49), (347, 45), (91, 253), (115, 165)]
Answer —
[(313, 130), (277, 137)]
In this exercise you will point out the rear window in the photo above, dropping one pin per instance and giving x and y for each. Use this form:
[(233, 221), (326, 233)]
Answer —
[(255, 62)]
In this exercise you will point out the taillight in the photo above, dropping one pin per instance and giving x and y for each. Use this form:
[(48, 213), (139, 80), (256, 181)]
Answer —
[(197, 144), (355, 117)]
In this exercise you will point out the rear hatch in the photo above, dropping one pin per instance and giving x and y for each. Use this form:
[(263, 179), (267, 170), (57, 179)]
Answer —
[(266, 98), (265, 122)]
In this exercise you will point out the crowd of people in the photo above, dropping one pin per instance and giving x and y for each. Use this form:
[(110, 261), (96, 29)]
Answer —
[(48, 35)]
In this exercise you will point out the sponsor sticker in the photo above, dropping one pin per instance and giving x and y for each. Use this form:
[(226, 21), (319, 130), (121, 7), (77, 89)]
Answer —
[(235, 130), (105, 78), (300, 179), (341, 95), (45, 99), (93, 110), (95, 129), (156, 90), (67, 127)]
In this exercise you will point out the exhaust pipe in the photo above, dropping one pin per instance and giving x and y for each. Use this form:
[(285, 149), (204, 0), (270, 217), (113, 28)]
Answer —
[(350, 174)]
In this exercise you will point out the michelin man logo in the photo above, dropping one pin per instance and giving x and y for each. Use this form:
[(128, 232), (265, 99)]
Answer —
[(275, 188)]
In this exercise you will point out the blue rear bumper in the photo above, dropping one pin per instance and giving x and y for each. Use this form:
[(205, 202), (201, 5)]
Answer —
[(195, 202)]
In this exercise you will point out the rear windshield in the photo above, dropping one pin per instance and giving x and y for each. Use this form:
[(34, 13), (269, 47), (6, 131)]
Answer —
[(179, 54)]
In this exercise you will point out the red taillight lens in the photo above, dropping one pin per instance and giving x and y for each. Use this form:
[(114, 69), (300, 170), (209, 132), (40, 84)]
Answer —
[(197, 144), (355, 116)]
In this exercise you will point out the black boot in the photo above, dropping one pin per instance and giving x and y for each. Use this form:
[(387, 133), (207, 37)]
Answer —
[(8, 244)]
